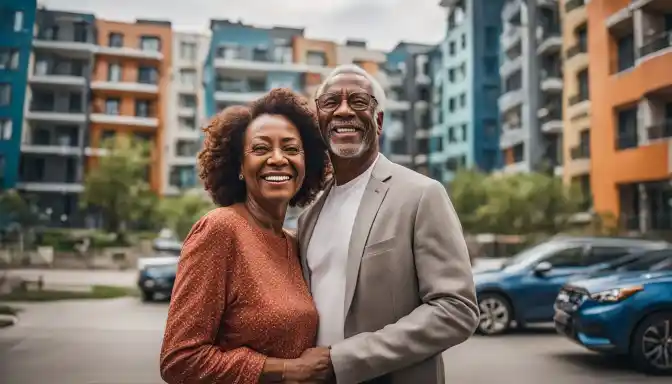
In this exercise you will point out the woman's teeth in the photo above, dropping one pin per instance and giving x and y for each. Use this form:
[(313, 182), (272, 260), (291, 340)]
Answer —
[(346, 130), (276, 178)]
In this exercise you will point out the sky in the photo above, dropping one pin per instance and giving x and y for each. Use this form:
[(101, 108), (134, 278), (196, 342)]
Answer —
[(382, 23)]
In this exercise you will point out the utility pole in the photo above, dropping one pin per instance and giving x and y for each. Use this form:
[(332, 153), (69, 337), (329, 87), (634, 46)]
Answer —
[(410, 91)]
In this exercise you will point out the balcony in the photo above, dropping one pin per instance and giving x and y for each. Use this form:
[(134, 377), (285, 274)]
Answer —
[(571, 5), (656, 43), (580, 160), (139, 121), (510, 37), (552, 122), (511, 99), (255, 64), (81, 48), (46, 186), (660, 131), (128, 52), (51, 149), (550, 41), (551, 81), (577, 52), (581, 151), (42, 112), (126, 86), (58, 74), (397, 105), (511, 10), (512, 136), (578, 106), (239, 91), (511, 66)]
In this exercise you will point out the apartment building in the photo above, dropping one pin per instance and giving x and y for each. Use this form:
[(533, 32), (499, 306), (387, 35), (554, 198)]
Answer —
[(408, 122), (16, 34), (531, 97), (54, 144), (185, 113), (466, 88), (576, 97), (245, 61), (130, 86), (630, 54)]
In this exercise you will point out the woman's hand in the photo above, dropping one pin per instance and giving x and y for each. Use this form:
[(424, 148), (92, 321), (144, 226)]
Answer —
[(313, 365)]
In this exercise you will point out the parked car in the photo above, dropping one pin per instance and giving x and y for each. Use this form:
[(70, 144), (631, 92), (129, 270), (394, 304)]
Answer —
[(524, 289), (633, 262), (157, 279), (629, 313)]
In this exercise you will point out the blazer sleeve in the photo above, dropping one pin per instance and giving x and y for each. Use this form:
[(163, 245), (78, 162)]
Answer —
[(189, 353), (448, 314)]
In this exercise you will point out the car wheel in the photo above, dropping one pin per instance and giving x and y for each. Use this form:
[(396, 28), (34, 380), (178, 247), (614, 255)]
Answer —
[(495, 314), (147, 296), (651, 347)]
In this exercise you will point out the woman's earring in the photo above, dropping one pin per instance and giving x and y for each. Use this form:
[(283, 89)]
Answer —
[(240, 176)]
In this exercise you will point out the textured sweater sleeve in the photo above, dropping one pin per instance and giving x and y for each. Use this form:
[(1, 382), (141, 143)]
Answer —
[(189, 353)]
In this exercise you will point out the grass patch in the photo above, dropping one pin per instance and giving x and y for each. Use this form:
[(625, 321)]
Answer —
[(97, 292)]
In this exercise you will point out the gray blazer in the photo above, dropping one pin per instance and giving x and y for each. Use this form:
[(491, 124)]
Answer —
[(409, 287)]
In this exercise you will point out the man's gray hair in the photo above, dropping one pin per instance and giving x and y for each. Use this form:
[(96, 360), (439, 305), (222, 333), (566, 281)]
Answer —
[(378, 91)]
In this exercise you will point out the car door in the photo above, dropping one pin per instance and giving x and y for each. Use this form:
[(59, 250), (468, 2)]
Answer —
[(544, 287)]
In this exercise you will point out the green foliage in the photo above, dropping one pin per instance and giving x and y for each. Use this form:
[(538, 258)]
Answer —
[(118, 185), (180, 213), (513, 203), (64, 240), (17, 212)]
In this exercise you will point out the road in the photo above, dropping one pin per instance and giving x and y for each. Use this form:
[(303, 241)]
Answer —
[(117, 342)]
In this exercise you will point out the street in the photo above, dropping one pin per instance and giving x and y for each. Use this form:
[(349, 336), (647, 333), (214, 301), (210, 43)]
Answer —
[(117, 342)]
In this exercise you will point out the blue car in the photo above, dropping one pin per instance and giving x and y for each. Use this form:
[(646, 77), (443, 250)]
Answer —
[(525, 288), (623, 314)]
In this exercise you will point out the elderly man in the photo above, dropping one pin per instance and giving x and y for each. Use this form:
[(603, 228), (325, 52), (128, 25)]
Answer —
[(382, 250)]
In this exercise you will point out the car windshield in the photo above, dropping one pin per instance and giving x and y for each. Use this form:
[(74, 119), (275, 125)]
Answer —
[(531, 255), (646, 261)]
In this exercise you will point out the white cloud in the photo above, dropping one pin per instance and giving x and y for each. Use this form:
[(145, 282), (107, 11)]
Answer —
[(382, 23)]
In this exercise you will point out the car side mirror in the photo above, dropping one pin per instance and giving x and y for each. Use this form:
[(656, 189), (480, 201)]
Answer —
[(543, 268)]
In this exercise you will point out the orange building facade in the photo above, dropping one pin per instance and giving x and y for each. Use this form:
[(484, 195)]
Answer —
[(130, 85), (630, 53)]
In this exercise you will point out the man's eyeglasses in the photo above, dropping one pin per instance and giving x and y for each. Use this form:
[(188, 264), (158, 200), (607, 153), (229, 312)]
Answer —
[(358, 101)]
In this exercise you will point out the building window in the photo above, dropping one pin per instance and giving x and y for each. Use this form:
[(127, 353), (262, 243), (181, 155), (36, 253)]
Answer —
[(316, 58), (464, 132), (5, 94), (626, 52), (188, 51), (188, 77), (228, 52), (491, 39), (80, 32), (491, 65), (464, 41), (451, 48), (451, 104), (182, 176), (584, 89), (463, 100), (451, 75), (18, 21), (112, 106), (148, 75), (114, 72), (115, 39), (150, 43), (490, 128), (626, 135), (5, 129), (142, 108), (187, 101), (283, 54), (186, 148), (187, 123), (582, 38), (9, 59), (518, 153)]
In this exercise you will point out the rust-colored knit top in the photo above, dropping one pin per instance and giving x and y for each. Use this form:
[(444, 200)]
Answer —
[(239, 297)]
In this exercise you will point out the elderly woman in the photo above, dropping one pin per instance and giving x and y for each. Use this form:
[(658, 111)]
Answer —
[(240, 310)]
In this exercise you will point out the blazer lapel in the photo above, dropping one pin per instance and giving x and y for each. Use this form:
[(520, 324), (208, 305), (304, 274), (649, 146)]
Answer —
[(373, 197), (306, 233)]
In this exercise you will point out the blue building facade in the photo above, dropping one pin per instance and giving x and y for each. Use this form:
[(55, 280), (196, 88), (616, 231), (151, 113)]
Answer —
[(17, 18), (467, 85), (245, 61)]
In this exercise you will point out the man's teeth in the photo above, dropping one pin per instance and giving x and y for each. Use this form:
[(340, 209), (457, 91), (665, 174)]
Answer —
[(276, 178), (345, 130)]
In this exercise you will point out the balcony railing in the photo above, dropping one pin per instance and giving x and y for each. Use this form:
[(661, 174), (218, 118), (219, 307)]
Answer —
[(574, 4), (576, 99), (660, 131), (656, 43), (581, 151), (575, 50), (38, 107), (240, 87), (626, 140)]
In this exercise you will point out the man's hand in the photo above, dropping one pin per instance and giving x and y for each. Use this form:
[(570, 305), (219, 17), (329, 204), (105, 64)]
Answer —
[(322, 353), (314, 366)]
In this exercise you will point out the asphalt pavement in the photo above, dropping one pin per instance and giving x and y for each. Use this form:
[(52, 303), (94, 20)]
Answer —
[(117, 342)]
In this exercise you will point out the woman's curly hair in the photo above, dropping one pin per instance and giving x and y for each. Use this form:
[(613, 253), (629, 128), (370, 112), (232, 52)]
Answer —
[(222, 154)]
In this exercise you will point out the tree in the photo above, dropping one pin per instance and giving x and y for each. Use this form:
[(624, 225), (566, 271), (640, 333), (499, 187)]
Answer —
[(17, 215), (181, 212), (513, 203), (118, 185)]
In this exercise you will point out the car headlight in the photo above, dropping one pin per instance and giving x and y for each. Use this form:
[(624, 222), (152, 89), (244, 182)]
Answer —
[(617, 294)]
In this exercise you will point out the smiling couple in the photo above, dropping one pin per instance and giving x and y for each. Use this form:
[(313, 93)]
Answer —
[(374, 287)]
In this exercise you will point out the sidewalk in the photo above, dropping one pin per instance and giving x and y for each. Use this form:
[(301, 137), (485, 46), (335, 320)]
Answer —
[(60, 277)]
